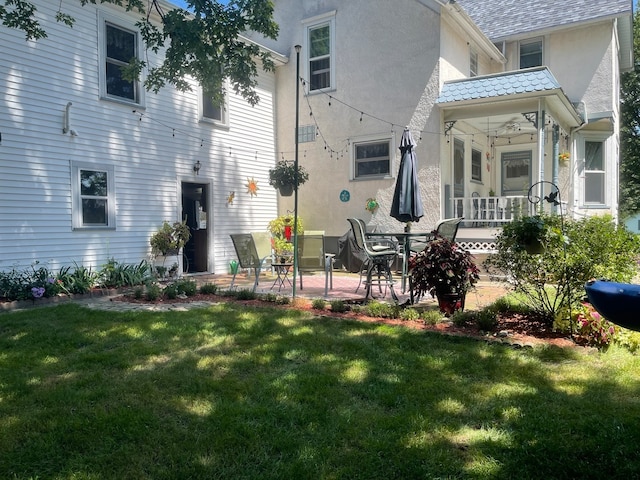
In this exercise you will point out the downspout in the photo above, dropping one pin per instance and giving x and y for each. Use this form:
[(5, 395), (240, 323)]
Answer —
[(541, 122), (556, 162)]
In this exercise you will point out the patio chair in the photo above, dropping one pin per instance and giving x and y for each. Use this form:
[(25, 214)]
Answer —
[(247, 254), (447, 228), (312, 257), (380, 255), (262, 241)]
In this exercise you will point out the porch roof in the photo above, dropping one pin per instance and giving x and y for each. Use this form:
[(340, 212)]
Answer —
[(508, 93)]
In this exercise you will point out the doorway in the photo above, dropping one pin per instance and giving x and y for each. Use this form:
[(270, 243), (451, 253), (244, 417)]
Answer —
[(194, 210)]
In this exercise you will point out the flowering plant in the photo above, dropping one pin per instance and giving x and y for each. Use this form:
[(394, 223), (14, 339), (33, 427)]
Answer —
[(564, 157), (597, 331)]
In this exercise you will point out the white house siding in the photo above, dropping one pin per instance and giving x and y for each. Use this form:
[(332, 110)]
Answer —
[(151, 154), (377, 71)]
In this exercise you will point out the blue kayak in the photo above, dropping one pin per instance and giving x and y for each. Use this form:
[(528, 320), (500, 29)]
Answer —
[(617, 302)]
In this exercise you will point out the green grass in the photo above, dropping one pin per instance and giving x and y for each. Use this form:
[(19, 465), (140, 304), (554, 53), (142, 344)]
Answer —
[(236, 393)]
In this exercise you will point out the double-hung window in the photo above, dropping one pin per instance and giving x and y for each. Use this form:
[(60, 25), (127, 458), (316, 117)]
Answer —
[(320, 52), (372, 159), (119, 44), (531, 53), (93, 196), (594, 173), (214, 113)]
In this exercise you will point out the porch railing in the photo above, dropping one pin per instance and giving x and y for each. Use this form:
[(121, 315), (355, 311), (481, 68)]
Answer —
[(490, 211)]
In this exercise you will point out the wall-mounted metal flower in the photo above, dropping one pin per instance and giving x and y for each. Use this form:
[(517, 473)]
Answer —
[(371, 205), (252, 187), (230, 197)]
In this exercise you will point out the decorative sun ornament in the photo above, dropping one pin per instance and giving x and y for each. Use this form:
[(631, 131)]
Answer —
[(230, 197), (252, 187)]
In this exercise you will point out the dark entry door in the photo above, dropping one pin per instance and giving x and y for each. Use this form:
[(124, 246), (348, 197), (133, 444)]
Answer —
[(194, 210)]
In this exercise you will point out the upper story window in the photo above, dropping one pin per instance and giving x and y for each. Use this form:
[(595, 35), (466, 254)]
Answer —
[(118, 45), (214, 113), (320, 52), (93, 196), (594, 173), (372, 159), (531, 53), (473, 63)]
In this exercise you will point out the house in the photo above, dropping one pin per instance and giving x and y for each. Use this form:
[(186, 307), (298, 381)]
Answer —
[(501, 96), (91, 165)]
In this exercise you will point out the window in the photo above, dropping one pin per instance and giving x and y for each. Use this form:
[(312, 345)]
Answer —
[(319, 47), (372, 159), (594, 173), (473, 63), (216, 114), (306, 133), (93, 196), (516, 172), (531, 54), (476, 165), (118, 45)]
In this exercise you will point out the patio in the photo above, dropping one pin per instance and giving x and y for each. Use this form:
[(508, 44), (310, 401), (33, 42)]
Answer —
[(344, 288)]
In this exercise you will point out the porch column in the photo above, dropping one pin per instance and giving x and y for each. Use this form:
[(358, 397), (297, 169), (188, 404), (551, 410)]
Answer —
[(555, 135), (541, 122)]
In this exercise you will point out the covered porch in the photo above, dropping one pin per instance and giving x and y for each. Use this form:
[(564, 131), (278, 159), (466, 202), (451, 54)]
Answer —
[(503, 133)]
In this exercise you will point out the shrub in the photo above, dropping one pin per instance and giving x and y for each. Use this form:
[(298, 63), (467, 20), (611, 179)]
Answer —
[(246, 294), (383, 310), (431, 317), (270, 297), (588, 248), (318, 304), (283, 300), (339, 306), (460, 319), (209, 289), (486, 319), (153, 292), (138, 293), (409, 314)]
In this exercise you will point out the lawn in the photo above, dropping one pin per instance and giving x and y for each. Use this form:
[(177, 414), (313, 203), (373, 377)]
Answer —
[(236, 393)]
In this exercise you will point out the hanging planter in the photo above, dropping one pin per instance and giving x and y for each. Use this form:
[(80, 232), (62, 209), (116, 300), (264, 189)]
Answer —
[(283, 177), (529, 233)]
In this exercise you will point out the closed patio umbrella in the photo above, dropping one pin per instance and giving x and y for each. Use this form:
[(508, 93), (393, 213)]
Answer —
[(407, 204)]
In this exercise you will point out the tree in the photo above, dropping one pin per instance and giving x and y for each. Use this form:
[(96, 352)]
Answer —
[(630, 130), (203, 44)]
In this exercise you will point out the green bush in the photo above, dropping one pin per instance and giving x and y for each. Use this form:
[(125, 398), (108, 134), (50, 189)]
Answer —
[(153, 292), (486, 319), (209, 289), (409, 314), (318, 304), (339, 306), (460, 319), (575, 252), (431, 317), (246, 294), (383, 310), (270, 297)]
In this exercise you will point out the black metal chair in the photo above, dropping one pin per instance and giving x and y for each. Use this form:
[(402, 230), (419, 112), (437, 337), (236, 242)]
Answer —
[(380, 255)]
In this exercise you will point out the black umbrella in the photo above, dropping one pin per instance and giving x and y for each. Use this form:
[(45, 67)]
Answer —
[(407, 204)]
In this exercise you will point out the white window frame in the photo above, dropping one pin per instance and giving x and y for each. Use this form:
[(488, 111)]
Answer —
[(76, 196), (473, 63), (606, 172), (327, 19), (126, 25), (370, 140), (531, 41), (307, 133), (224, 109)]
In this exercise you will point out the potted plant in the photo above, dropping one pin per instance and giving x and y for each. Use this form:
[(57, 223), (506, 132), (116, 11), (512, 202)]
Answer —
[(168, 240), (281, 229), (444, 270), (528, 233), (283, 177)]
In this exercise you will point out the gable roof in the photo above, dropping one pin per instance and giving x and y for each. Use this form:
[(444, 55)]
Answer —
[(500, 19)]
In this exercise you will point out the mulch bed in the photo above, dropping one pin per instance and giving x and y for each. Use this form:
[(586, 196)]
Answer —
[(515, 329)]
